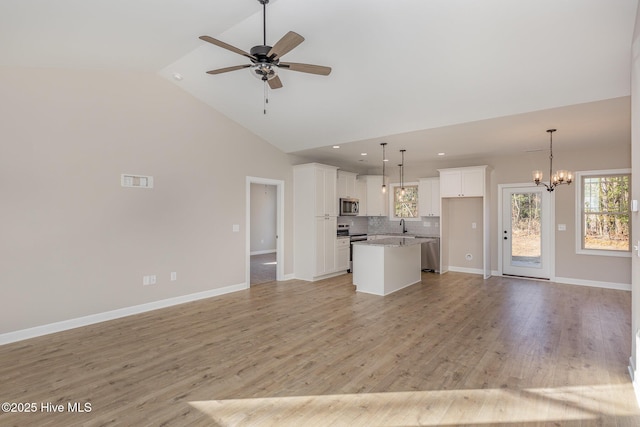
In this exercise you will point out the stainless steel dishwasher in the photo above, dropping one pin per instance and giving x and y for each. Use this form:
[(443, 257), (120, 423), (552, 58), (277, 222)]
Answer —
[(431, 255)]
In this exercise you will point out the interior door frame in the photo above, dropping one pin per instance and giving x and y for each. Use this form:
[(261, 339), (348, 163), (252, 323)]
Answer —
[(552, 227), (279, 184)]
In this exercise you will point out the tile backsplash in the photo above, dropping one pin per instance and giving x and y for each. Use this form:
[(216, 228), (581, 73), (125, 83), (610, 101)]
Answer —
[(427, 226)]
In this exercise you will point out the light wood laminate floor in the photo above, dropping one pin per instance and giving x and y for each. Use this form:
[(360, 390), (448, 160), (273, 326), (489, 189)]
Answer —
[(263, 268), (452, 350)]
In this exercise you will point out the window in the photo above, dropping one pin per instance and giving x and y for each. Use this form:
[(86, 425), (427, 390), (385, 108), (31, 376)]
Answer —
[(603, 212), (405, 205)]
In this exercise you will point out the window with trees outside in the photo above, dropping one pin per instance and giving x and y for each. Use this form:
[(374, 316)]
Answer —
[(603, 210), (405, 205)]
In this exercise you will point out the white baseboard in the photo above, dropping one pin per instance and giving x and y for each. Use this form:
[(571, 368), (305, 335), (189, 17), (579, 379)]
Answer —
[(267, 251), (290, 276), (466, 270), (634, 380), (592, 283), (64, 325)]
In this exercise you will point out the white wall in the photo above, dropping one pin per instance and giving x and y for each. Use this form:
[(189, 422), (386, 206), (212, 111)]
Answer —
[(635, 188), (263, 218), (72, 241)]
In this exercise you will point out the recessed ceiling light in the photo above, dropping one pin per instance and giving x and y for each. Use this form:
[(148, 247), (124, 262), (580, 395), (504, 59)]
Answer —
[(440, 154), (385, 160), (363, 154), (177, 76), (336, 146)]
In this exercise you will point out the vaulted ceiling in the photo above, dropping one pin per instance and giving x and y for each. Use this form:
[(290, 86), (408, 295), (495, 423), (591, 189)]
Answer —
[(467, 77)]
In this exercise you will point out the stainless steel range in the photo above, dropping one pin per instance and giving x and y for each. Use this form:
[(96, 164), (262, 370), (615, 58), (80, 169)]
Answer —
[(343, 230)]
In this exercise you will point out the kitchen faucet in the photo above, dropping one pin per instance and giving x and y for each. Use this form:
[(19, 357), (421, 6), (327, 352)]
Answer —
[(403, 225)]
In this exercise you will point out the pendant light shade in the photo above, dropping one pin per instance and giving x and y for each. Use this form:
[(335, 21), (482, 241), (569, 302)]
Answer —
[(384, 160), (402, 172)]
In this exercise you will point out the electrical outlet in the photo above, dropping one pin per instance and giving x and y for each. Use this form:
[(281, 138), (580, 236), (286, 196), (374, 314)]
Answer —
[(174, 276), (148, 280)]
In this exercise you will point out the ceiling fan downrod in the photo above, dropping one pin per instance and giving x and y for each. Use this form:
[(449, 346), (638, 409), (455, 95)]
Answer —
[(264, 20)]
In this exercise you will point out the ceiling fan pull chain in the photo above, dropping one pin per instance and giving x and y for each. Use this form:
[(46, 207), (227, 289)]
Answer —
[(266, 97)]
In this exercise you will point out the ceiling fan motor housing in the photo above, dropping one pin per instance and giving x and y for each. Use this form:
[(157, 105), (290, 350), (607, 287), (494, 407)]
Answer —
[(264, 67), (261, 52)]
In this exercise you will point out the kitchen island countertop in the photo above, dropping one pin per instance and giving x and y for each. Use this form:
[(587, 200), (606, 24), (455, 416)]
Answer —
[(395, 241)]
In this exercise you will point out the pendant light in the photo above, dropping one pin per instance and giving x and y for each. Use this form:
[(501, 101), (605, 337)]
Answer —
[(384, 160), (402, 173), (560, 177)]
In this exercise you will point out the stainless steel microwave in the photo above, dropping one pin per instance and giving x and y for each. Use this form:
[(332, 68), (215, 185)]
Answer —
[(349, 207)]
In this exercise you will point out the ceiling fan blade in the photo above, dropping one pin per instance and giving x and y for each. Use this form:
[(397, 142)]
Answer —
[(287, 43), (227, 69), (275, 83), (227, 46), (306, 68)]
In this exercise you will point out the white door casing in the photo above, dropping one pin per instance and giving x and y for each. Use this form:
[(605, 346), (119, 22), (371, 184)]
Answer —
[(526, 250)]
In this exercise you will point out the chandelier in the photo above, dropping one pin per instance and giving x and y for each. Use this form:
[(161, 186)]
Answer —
[(560, 177)]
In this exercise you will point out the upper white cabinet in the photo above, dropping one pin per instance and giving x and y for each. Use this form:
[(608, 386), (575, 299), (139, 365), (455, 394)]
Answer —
[(361, 195), (346, 185), (463, 182), (473, 182), (429, 197), (377, 202), (326, 202)]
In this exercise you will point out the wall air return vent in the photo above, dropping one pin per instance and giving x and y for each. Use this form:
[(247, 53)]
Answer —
[(137, 181)]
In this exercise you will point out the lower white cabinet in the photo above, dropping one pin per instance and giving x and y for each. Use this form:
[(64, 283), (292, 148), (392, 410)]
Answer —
[(342, 253), (325, 245)]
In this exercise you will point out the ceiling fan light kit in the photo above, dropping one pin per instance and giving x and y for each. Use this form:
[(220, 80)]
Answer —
[(265, 59)]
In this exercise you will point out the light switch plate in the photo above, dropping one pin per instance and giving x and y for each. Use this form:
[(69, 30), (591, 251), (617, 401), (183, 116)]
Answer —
[(562, 227)]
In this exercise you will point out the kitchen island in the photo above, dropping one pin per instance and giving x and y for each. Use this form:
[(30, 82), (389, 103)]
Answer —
[(383, 266)]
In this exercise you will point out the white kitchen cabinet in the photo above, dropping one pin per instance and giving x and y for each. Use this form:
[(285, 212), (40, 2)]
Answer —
[(346, 185), (342, 253), (377, 202), (361, 195), (429, 197), (326, 202), (315, 221), (325, 245), (463, 182), (473, 182)]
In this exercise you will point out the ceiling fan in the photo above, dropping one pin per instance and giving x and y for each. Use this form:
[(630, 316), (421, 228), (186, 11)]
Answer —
[(265, 60)]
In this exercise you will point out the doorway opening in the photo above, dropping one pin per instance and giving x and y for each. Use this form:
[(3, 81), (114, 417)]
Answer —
[(264, 230)]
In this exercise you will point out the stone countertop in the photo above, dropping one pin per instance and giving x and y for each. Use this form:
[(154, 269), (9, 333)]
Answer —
[(394, 241), (406, 235)]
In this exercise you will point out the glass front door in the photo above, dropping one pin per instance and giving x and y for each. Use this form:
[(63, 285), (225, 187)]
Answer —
[(525, 232)]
